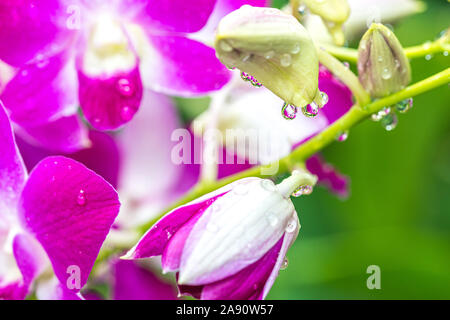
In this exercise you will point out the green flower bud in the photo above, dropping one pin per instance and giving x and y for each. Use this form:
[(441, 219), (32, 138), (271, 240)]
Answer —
[(383, 67), (274, 48), (333, 13)]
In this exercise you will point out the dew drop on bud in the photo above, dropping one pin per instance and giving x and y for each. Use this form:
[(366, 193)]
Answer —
[(386, 74), (269, 54), (284, 264), (343, 136), (81, 198), (404, 106), (311, 110), (303, 190), (289, 111), (285, 60), (389, 122), (291, 226), (295, 49)]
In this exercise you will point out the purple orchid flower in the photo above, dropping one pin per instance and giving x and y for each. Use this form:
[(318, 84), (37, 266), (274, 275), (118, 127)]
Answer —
[(59, 215), (228, 244), (100, 55)]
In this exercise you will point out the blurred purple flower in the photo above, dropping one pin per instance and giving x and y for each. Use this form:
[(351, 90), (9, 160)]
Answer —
[(216, 253), (60, 215)]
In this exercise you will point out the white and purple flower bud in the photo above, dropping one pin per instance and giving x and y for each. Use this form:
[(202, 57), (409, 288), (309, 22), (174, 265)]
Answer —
[(228, 244)]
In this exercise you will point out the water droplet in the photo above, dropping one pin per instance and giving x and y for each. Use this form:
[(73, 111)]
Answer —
[(284, 264), (126, 113), (303, 190), (225, 46), (346, 64), (301, 9), (241, 189), (380, 59), (380, 114), (445, 53), (125, 87), (285, 60), (386, 74), (81, 198), (295, 49), (245, 57), (324, 98), (272, 219), (428, 57), (343, 136), (289, 111), (268, 185), (291, 226), (41, 61), (311, 110), (269, 54), (389, 122), (404, 106)]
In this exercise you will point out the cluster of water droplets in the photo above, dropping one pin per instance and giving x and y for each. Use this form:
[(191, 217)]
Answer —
[(247, 77), (289, 111), (81, 198), (388, 117)]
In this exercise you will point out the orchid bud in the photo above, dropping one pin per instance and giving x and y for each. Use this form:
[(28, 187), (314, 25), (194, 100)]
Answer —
[(231, 243), (383, 67), (274, 48), (333, 13)]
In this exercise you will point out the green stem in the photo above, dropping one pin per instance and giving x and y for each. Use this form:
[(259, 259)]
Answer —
[(351, 55), (355, 115)]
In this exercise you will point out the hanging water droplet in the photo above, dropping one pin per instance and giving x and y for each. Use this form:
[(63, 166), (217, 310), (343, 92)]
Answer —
[(301, 9), (404, 106), (225, 46), (241, 189), (389, 122), (272, 219), (285, 60), (268, 185), (311, 110), (386, 74), (343, 136), (380, 114), (324, 98), (81, 198), (291, 226), (125, 87), (303, 190), (284, 264), (289, 111)]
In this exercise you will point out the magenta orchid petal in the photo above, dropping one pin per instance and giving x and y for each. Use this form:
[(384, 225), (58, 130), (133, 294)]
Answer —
[(13, 291), (133, 282), (328, 176), (65, 134), (43, 90), (184, 67), (176, 15), (12, 170), (69, 209), (110, 101), (156, 239), (27, 26)]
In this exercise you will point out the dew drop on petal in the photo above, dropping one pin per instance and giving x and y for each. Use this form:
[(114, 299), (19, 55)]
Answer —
[(301, 9), (324, 98), (291, 226), (126, 113), (303, 190), (81, 198), (284, 264), (125, 87), (285, 60), (311, 110), (289, 111)]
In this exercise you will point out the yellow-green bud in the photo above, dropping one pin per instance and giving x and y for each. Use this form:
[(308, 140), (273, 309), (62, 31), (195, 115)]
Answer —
[(383, 67), (274, 48)]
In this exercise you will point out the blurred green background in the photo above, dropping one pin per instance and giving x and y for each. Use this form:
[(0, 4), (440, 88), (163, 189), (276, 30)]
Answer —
[(398, 214)]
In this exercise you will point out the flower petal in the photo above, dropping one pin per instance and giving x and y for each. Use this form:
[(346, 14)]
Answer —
[(69, 209), (43, 90), (180, 66), (109, 101), (65, 134), (12, 170), (176, 15), (246, 284), (133, 282), (52, 289), (27, 26)]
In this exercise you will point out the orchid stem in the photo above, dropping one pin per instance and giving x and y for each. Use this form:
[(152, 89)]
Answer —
[(355, 115)]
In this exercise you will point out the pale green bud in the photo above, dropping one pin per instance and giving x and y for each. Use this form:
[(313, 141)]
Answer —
[(274, 48), (383, 67)]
